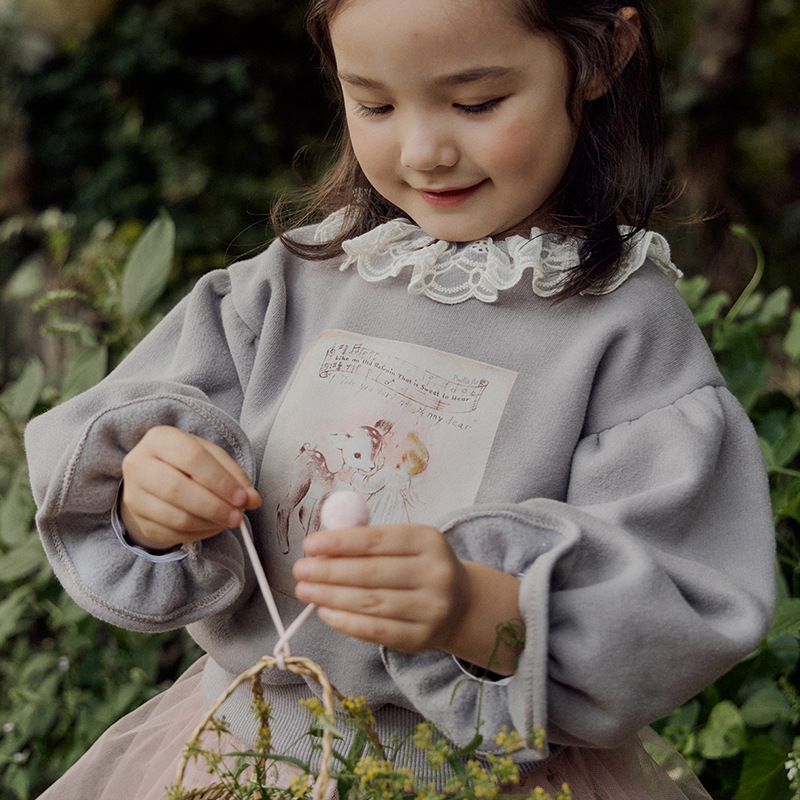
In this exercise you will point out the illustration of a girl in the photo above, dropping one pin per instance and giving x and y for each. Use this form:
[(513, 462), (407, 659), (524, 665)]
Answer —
[(389, 488)]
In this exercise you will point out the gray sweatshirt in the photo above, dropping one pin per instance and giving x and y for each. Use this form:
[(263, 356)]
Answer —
[(589, 446)]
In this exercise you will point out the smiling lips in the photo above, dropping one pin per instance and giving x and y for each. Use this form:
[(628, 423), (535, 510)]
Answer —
[(442, 198)]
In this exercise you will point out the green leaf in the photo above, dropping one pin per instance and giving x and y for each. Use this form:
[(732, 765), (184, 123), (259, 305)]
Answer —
[(21, 782), (12, 610), (85, 370), (26, 281), (766, 707), (751, 304), (775, 306), (791, 342), (770, 462), (20, 398), (710, 309), (724, 734), (786, 499), (787, 445), (17, 509), (786, 621), (22, 561), (763, 774), (148, 267), (742, 360), (693, 289)]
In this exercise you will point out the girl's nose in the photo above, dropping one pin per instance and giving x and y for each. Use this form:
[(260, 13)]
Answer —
[(426, 147)]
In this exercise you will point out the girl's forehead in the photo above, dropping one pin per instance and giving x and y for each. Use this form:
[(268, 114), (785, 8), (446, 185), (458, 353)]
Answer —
[(443, 10), (407, 31)]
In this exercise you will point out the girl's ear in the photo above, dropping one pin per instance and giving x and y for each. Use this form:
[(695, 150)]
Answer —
[(626, 39)]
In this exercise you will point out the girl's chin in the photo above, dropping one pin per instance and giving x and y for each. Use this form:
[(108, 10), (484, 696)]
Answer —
[(472, 230), (450, 234)]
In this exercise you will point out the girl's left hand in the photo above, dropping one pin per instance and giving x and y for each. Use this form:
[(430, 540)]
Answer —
[(396, 585)]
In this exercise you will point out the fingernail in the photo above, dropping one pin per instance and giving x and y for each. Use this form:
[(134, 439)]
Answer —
[(239, 497), (234, 518)]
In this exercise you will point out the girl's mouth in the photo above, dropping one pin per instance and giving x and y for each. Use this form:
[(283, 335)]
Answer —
[(449, 197)]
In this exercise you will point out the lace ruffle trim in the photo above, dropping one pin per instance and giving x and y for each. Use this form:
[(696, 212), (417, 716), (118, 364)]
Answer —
[(450, 272)]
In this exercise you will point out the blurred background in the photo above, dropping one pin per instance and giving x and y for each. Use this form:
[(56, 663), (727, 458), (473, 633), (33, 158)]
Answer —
[(196, 114), (114, 110)]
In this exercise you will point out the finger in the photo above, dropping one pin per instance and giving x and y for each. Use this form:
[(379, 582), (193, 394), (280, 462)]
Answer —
[(227, 462), (371, 540), (398, 604), (175, 490), (164, 525), (389, 572), (206, 463), (397, 634)]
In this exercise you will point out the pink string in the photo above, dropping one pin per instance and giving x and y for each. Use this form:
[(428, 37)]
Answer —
[(281, 650), (340, 510)]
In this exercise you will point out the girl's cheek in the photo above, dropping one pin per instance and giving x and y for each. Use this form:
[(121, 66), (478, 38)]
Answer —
[(373, 149), (510, 145)]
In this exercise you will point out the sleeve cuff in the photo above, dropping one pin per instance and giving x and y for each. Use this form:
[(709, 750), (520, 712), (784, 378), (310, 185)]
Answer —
[(497, 681), (141, 552)]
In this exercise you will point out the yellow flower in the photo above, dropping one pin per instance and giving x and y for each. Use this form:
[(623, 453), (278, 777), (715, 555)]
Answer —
[(537, 737), (368, 768), (313, 705), (405, 778), (540, 794), (176, 792), (484, 783), (423, 735), (429, 793), (504, 769), (437, 753), (301, 785), (218, 725), (358, 709), (510, 741)]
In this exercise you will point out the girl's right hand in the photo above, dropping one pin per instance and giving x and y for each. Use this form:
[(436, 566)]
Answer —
[(179, 488)]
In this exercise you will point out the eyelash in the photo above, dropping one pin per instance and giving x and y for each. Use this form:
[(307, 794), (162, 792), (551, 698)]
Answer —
[(480, 108), (368, 111)]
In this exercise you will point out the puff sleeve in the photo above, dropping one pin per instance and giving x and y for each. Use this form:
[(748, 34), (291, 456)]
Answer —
[(652, 579), (190, 372)]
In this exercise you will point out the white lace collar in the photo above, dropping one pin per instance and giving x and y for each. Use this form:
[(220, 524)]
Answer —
[(450, 272)]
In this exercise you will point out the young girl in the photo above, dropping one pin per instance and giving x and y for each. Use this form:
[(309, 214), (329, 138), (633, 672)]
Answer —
[(588, 475)]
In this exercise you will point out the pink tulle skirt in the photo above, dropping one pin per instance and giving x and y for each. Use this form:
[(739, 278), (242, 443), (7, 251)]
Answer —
[(137, 758)]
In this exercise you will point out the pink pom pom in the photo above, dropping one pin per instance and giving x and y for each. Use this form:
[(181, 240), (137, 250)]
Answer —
[(344, 510)]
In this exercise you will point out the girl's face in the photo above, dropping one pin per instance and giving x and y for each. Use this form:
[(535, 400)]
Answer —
[(456, 112)]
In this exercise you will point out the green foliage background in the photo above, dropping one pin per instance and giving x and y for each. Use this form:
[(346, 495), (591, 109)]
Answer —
[(184, 116)]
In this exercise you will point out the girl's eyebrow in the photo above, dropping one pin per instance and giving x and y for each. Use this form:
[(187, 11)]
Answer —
[(456, 79)]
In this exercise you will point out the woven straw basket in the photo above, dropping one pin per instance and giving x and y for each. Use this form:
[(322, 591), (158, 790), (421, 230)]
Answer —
[(300, 666)]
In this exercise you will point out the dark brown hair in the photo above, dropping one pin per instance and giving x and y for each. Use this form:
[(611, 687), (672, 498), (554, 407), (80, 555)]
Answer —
[(615, 174)]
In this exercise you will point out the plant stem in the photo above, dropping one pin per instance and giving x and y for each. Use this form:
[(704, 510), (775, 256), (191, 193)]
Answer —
[(743, 232)]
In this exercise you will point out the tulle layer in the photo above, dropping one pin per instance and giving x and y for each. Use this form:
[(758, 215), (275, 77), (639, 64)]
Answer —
[(137, 758)]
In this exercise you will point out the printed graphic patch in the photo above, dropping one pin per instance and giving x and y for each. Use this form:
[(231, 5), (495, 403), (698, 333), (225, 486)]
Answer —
[(408, 426)]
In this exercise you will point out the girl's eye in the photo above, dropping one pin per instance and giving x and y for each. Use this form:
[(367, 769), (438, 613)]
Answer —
[(372, 111), (479, 108)]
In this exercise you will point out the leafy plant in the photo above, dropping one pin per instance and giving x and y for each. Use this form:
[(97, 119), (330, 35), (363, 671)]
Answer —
[(368, 769), (742, 734), (65, 675)]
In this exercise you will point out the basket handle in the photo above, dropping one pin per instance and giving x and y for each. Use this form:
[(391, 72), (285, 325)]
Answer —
[(300, 666)]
